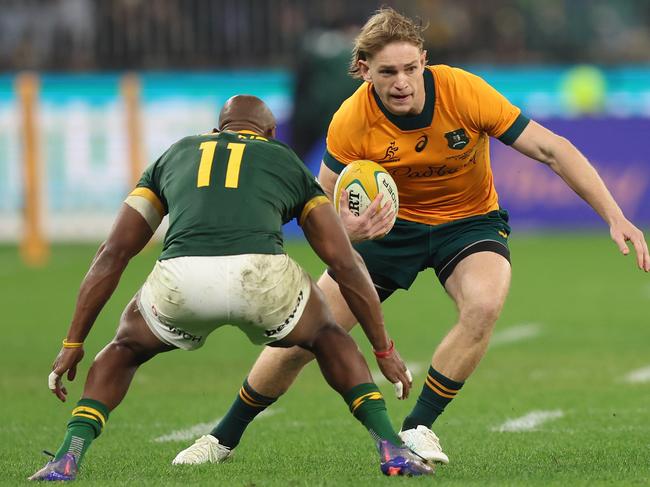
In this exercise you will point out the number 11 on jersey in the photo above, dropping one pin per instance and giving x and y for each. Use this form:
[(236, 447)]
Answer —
[(232, 168)]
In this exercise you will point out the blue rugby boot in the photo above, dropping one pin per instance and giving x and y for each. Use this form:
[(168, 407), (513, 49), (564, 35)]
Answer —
[(63, 469), (399, 460)]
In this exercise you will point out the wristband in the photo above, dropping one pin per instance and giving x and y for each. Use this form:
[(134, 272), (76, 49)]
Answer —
[(67, 344), (385, 353)]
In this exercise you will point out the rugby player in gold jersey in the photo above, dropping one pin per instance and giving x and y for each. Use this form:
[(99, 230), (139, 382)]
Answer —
[(430, 128)]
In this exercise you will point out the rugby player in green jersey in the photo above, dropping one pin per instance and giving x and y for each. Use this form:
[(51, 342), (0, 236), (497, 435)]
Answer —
[(227, 195)]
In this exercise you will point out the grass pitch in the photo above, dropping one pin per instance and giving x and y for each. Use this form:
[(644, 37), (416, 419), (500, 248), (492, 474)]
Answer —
[(577, 322)]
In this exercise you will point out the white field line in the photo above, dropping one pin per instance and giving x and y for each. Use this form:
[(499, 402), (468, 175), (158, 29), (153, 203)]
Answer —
[(414, 367), (646, 291), (516, 333), (528, 422), (638, 376), (201, 429)]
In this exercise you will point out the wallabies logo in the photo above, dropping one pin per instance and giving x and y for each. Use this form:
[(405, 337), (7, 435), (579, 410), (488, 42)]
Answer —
[(391, 150), (457, 139)]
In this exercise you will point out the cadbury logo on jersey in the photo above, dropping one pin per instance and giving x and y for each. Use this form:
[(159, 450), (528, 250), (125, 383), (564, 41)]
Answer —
[(457, 139)]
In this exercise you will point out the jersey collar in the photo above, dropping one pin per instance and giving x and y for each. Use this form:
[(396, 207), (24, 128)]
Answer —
[(413, 122)]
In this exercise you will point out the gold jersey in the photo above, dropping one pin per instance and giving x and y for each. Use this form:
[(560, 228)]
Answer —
[(440, 158)]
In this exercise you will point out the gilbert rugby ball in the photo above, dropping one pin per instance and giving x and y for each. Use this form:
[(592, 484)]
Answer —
[(363, 180)]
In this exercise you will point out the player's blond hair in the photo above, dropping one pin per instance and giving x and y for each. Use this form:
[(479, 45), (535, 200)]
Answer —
[(384, 27)]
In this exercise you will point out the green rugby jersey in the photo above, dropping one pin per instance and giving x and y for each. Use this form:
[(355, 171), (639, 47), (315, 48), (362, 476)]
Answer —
[(229, 193)]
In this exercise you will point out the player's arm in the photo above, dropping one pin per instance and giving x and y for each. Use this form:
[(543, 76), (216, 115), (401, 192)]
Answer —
[(367, 226), (326, 235), (129, 235), (573, 167)]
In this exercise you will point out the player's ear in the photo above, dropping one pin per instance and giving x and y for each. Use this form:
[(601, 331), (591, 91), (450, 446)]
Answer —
[(364, 70), (270, 133)]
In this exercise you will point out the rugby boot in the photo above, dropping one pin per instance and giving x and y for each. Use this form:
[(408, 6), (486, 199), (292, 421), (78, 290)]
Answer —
[(399, 460), (206, 449), (425, 443), (63, 469)]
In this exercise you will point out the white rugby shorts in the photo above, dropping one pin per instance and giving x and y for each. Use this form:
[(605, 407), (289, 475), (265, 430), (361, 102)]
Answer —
[(184, 299)]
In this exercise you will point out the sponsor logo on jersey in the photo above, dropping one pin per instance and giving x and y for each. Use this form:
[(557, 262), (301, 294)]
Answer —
[(391, 150), (275, 331), (431, 170), (457, 139), (421, 143)]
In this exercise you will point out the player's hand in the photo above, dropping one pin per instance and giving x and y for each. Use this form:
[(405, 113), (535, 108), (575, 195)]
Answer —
[(395, 370), (623, 231), (373, 223), (66, 361)]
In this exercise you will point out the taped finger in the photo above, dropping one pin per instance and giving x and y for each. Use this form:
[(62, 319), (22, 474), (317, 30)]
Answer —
[(51, 380), (399, 389)]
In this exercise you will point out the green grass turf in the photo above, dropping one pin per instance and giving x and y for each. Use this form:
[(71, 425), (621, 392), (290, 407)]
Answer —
[(591, 304)]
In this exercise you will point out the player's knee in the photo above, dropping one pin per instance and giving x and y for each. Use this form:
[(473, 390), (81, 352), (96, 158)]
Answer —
[(486, 310), (479, 317), (295, 358)]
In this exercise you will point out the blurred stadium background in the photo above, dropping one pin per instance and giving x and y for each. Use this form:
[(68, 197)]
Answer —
[(91, 91)]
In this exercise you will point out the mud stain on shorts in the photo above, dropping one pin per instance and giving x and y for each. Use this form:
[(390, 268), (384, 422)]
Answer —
[(274, 282)]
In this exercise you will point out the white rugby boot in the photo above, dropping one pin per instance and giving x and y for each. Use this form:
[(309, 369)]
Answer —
[(206, 449), (425, 443)]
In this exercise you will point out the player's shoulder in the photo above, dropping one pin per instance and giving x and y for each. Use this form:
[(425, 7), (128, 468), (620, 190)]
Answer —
[(352, 115), (179, 148), (460, 89), (274, 148), (452, 76), (273, 151), (191, 140), (278, 145)]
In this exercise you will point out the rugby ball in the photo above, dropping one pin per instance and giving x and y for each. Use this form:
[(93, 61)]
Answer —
[(363, 180)]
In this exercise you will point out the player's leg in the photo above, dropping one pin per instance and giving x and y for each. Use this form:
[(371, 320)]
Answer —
[(346, 371), (478, 285), (274, 372), (472, 261), (106, 385), (312, 326), (276, 369), (113, 369)]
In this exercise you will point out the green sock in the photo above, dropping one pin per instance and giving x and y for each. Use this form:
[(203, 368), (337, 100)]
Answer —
[(86, 424), (437, 392), (367, 405), (248, 404)]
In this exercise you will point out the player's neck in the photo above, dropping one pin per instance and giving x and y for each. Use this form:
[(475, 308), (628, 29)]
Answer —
[(242, 127), (418, 105)]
